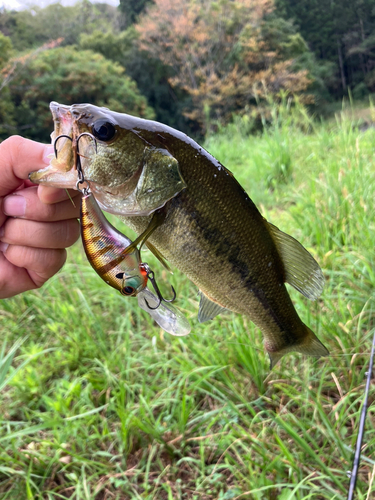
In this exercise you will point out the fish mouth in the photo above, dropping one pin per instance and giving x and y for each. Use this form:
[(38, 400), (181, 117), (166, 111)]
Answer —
[(60, 172), (127, 174), (68, 124)]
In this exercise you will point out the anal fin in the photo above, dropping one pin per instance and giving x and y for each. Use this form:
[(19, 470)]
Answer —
[(208, 309)]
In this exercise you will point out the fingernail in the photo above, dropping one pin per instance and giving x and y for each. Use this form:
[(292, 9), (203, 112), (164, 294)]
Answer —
[(3, 246), (48, 154), (14, 205)]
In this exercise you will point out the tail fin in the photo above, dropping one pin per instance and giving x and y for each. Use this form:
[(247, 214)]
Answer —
[(310, 345)]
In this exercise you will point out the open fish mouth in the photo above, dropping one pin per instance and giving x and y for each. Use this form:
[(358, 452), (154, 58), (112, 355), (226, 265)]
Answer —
[(68, 125), (60, 172), (128, 174)]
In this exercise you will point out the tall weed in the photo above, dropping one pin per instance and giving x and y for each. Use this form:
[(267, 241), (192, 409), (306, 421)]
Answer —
[(117, 408)]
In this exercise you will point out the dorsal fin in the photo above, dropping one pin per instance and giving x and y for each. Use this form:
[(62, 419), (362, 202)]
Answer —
[(301, 269), (207, 308)]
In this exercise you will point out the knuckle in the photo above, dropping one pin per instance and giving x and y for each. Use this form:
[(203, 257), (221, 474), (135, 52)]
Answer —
[(14, 141), (53, 261), (72, 231), (10, 233), (64, 233), (49, 211), (14, 144), (46, 263)]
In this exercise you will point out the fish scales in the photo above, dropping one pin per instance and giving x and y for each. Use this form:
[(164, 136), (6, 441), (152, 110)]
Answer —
[(224, 247), (211, 229)]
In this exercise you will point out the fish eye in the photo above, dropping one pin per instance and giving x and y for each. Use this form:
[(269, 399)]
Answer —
[(103, 130), (127, 290)]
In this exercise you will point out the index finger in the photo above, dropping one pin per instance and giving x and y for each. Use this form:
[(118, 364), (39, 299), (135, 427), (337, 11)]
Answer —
[(19, 157)]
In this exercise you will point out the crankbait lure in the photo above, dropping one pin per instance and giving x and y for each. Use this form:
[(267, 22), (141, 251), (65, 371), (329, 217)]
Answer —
[(107, 250)]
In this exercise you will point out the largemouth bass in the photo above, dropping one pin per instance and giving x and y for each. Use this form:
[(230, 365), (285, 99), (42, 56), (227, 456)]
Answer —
[(105, 248), (196, 215)]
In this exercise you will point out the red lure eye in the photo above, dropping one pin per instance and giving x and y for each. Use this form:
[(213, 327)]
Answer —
[(127, 290), (143, 269)]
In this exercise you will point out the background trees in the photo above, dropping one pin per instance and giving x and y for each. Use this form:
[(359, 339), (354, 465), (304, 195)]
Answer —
[(342, 32), (196, 63), (223, 54), (67, 76)]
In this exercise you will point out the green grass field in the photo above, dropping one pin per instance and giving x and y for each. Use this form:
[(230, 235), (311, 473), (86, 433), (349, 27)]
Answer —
[(97, 402)]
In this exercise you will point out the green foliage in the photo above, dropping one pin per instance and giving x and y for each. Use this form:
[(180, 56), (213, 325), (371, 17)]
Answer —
[(68, 76), (31, 28), (131, 9), (6, 105), (6, 49), (122, 409), (282, 36), (150, 74), (113, 46), (340, 32), (326, 49), (225, 55)]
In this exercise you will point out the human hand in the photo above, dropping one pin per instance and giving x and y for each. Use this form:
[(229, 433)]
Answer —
[(36, 223)]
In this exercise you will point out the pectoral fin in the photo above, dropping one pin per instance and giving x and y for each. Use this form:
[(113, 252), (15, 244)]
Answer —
[(159, 256), (156, 221), (301, 269), (208, 309)]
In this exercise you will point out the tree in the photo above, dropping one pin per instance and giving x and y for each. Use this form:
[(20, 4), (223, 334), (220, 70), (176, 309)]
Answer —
[(6, 106), (31, 28), (6, 49), (340, 31), (151, 74), (219, 53), (131, 9), (68, 76)]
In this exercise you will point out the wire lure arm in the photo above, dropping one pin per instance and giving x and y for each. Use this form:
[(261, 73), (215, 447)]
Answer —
[(151, 277)]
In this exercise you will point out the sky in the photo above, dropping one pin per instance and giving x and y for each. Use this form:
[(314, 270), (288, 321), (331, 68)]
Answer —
[(19, 4)]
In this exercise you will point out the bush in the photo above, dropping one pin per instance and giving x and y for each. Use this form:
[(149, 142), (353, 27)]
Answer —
[(68, 76)]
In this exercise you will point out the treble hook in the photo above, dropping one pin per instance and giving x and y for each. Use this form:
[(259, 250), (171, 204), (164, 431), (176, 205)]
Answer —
[(77, 160), (75, 141), (77, 155), (88, 135), (151, 277), (55, 142)]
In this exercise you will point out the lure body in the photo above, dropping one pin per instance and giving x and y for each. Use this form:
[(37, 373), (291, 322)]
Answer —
[(105, 248)]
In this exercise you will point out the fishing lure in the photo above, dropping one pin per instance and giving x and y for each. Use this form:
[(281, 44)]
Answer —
[(107, 250)]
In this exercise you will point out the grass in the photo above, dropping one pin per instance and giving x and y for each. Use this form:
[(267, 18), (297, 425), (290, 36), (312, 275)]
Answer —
[(97, 402)]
